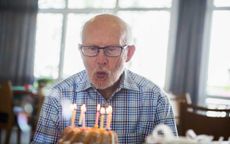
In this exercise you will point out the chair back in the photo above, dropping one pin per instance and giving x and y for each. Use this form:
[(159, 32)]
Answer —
[(199, 119), (6, 105), (175, 100)]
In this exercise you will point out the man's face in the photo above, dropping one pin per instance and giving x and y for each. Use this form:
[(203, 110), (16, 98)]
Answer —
[(104, 71)]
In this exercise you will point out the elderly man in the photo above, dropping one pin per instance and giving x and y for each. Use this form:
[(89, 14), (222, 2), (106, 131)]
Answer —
[(138, 104)]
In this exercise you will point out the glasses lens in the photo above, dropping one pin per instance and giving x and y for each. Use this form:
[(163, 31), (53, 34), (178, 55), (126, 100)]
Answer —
[(89, 50), (112, 50)]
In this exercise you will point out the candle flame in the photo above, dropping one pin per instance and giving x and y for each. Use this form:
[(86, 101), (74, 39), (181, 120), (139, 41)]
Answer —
[(74, 106), (102, 111), (83, 108), (109, 110), (98, 107)]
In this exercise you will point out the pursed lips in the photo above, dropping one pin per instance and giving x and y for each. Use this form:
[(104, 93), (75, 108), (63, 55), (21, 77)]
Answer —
[(101, 75)]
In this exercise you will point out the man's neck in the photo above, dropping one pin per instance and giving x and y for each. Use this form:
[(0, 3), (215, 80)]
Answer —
[(108, 92)]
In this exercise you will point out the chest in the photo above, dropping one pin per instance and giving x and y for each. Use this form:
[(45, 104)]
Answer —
[(133, 113)]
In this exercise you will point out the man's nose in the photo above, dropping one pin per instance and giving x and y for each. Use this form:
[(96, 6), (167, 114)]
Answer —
[(101, 59)]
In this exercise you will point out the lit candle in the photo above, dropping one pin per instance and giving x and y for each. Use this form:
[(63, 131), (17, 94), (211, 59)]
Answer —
[(109, 116), (82, 115), (97, 115), (74, 112), (102, 117)]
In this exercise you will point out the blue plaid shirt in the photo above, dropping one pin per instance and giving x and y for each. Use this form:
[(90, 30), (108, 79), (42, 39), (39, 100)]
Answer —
[(138, 106)]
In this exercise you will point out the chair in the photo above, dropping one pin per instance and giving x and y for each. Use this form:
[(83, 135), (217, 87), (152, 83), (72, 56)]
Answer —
[(176, 100), (7, 117), (198, 119)]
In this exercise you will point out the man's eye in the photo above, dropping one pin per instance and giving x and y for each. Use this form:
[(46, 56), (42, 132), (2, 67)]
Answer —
[(111, 49), (92, 48)]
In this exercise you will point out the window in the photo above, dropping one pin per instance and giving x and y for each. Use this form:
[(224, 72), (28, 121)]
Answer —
[(218, 84), (58, 34), (48, 40)]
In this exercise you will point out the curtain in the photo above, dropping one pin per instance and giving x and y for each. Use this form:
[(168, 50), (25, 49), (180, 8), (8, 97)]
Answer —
[(186, 61), (17, 40)]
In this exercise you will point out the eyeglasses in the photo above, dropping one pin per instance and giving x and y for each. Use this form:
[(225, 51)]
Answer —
[(110, 51)]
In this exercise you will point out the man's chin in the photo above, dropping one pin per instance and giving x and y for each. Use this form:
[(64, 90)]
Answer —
[(101, 86)]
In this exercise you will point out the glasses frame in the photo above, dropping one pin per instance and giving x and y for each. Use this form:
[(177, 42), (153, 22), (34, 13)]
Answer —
[(81, 47)]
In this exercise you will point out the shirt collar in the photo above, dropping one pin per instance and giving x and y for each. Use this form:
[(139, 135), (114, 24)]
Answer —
[(126, 82), (84, 83)]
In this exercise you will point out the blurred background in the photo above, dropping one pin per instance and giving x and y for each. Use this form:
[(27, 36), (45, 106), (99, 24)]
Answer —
[(181, 45)]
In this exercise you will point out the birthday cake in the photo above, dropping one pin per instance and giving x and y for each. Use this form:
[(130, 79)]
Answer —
[(88, 135)]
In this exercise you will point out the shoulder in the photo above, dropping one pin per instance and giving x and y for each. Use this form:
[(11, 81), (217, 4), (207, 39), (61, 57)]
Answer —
[(146, 86), (72, 81), (141, 82), (68, 86)]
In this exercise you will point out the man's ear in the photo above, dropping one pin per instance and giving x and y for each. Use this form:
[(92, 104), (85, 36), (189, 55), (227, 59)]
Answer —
[(130, 53)]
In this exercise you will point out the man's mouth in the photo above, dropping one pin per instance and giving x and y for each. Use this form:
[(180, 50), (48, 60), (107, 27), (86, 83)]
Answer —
[(101, 75)]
